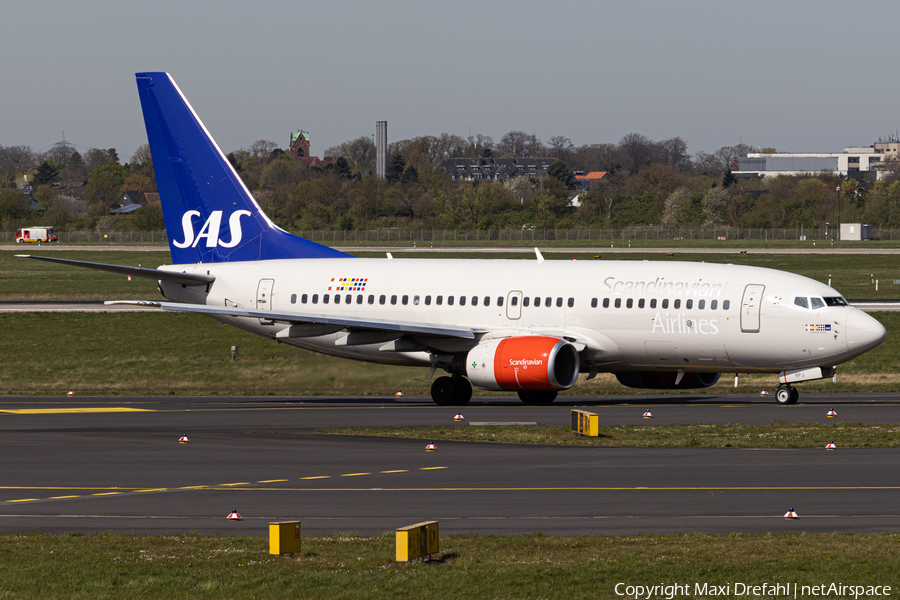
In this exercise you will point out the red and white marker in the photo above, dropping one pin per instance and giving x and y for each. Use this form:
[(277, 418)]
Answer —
[(234, 516), (831, 413), (648, 414), (764, 392), (790, 515), (184, 440), (430, 447), (459, 417), (70, 394), (831, 446), (399, 394)]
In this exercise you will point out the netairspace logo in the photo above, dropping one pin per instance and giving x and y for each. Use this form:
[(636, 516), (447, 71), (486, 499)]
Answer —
[(777, 590)]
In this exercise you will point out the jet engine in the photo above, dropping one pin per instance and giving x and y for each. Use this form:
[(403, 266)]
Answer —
[(531, 363), (665, 380)]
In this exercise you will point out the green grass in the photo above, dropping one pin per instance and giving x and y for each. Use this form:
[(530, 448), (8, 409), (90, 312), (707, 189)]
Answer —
[(348, 566), (162, 353), (736, 435)]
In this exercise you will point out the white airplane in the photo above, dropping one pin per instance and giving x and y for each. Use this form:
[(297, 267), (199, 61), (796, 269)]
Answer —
[(525, 326)]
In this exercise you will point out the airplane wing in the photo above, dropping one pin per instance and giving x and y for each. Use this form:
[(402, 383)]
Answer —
[(453, 331), (180, 278)]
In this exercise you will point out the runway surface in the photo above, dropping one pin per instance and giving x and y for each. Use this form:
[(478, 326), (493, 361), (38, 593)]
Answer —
[(87, 464)]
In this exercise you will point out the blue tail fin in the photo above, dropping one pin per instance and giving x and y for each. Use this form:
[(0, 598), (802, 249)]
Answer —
[(210, 215)]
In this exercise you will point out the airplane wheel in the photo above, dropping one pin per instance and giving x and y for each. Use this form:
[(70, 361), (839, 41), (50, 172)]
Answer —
[(784, 395), (536, 398), (463, 391), (795, 395), (443, 391)]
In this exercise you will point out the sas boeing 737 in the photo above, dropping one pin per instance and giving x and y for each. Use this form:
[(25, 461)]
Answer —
[(529, 327)]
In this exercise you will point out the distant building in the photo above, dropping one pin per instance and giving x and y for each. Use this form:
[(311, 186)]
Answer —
[(494, 169), (588, 182), (299, 149), (855, 161)]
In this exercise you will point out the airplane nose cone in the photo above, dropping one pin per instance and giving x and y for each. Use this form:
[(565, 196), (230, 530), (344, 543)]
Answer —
[(863, 332)]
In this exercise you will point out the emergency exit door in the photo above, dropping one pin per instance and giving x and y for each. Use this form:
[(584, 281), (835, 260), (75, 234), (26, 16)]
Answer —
[(750, 306), (264, 297)]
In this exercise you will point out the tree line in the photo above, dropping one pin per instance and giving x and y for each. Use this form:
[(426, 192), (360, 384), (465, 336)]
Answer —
[(647, 183)]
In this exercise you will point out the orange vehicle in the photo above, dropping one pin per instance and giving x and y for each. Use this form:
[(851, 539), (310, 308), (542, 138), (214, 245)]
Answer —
[(35, 234)]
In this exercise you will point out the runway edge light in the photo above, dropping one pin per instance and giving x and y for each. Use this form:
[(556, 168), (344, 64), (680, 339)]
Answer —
[(399, 393), (430, 447), (764, 392), (70, 394), (184, 439), (790, 515), (234, 516), (831, 413), (648, 414), (831, 446), (459, 417)]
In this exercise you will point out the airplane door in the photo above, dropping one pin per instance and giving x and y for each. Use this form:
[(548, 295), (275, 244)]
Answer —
[(264, 297), (514, 305), (750, 308)]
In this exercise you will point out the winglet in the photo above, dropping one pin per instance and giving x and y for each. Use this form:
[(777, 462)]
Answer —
[(540, 257)]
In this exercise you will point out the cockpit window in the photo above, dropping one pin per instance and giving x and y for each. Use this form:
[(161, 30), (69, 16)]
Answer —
[(801, 301), (836, 301), (817, 303)]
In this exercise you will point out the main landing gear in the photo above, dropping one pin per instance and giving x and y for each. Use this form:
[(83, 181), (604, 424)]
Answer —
[(786, 394), (451, 391)]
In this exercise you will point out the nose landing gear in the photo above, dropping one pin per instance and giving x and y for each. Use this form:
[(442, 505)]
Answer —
[(786, 394)]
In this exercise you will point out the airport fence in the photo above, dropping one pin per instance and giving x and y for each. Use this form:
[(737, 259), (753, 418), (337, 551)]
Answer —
[(511, 234)]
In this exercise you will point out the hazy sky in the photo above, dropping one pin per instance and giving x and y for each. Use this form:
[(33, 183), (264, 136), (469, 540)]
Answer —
[(799, 76)]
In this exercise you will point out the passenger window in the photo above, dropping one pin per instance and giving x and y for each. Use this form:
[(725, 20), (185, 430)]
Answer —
[(618, 303), (405, 300), (337, 299), (415, 300), (359, 299), (665, 303), (652, 302), (325, 298), (315, 298), (427, 300), (514, 301), (606, 303), (474, 300), (548, 302), (526, 301), (593, 303), (701, 304), (394, 299), (537, 300), (293, 298), (641, 303), (462, 300), (817, 303), (559, 302), (348, 299), (381, 299), (801, 302), (677, 304), (689, 304), (372, 299), (499, 300), (303, 299), (713, 304), (629, 303), (449, 300), (726, 304), (439, 300), (572, 302), (487, 300)]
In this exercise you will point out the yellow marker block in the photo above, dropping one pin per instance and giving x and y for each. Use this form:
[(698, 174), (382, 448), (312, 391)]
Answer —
[(417, 541), (284, 537), (585, 423)]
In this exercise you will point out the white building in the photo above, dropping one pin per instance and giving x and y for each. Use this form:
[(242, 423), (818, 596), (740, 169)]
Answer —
[(853, 161)]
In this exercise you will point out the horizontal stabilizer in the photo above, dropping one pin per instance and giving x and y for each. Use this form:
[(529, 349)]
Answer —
[(452, 331), (180, 278)]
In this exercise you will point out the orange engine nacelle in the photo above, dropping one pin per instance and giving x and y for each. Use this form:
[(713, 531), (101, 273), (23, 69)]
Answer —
[(532, 363)]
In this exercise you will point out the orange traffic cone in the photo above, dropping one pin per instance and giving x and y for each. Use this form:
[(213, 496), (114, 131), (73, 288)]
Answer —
[(831, 446), (831, 413), (430, 447), (648, 414), (459, 417), (70, 394), (790, 515), (184, 440), (234, 516)]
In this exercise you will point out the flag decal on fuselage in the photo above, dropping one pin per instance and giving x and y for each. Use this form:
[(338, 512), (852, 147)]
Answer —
[(348, 284)]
